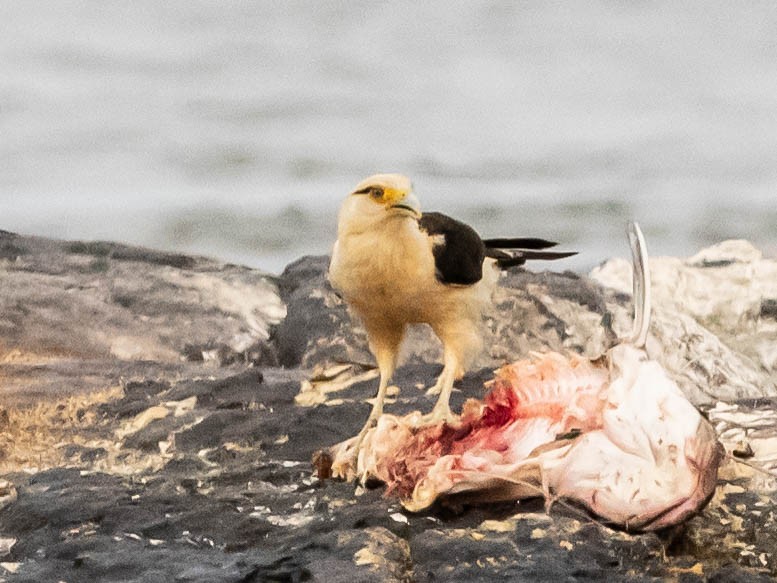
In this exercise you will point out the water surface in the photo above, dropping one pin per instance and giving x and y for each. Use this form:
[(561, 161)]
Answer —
[(234, 128)]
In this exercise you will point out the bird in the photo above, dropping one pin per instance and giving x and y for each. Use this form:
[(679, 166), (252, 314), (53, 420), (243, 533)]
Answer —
[(395, 265)]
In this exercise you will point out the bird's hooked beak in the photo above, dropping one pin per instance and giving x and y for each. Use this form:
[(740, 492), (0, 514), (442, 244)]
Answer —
[(409, 203)]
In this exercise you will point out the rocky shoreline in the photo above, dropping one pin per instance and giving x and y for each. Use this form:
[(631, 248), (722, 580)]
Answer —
[(159, 414)]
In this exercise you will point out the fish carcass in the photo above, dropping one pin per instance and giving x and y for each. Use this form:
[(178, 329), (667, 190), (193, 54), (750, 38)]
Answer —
[(614, 434)]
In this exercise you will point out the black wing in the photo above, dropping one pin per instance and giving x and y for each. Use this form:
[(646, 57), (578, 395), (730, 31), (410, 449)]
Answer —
[(521, 251), (459, 257), (520, 256), (519, 243)]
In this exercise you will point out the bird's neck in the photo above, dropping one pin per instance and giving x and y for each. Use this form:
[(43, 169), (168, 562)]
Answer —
[(386, 225)]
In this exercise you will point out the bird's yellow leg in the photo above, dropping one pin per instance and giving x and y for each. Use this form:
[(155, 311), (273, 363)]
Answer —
[(461, 340), (377, 406), (377, 411), (437, 386), (444, 385), (386, 354)]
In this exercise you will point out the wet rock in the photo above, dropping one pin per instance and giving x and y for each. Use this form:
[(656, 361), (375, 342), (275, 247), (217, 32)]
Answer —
[(769, 308), (236, 499), (530, 310), (710, 327), (100, 299), (317, 327), (117, 469), (568, 312)]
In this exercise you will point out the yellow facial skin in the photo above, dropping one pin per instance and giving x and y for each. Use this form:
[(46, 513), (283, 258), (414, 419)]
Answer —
[(389, 196), (393, 191)]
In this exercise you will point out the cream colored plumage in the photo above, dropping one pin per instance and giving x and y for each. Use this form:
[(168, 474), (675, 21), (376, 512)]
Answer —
[(395, 267)]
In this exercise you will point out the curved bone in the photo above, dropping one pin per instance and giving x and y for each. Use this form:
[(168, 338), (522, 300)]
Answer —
[(640, 285)]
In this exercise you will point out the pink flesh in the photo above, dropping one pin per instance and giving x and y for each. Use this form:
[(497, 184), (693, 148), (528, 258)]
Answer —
[(554, 396), (645, 458)]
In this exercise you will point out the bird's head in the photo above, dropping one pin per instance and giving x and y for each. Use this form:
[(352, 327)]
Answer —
[(380, 197)]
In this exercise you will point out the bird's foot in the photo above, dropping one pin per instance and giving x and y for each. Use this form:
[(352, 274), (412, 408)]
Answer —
[(350, 468), (440, 414), (435, 389)]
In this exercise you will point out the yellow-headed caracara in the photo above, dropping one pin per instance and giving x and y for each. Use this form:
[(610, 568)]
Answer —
[(395, 265)]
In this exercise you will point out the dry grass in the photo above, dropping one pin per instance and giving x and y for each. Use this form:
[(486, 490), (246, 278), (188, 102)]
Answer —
[(35, 438), (17, 356)]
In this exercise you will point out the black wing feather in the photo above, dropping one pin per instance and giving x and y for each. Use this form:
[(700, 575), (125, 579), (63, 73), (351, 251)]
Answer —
[(521, 250), (519, 243), (504, 260), (459, 260)]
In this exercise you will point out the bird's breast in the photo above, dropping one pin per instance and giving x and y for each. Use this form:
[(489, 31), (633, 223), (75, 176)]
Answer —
[(387, 269)]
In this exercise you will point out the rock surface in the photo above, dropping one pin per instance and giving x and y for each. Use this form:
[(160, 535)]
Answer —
[(99, 300), (715, 310), (184, 454)]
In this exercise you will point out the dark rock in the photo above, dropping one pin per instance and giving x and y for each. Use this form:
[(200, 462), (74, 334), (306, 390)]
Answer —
[(100, 300), (566, 285), (318, 328), (244, 427), (258, 354), (237, 391), (148, 438), (733, 573), (769, 308), (250, 509), (302, 273), (8, 250), (125, 253), (137, 397), (200, 473), (86, 455), (35, 378)]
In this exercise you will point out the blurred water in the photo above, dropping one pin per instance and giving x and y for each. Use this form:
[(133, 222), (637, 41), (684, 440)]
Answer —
[(235, 128)]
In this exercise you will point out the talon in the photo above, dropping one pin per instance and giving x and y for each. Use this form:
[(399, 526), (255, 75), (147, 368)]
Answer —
[(353, 458), (435, 389), (441, 414)]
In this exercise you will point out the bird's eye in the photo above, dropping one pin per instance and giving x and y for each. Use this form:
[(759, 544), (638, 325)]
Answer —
[(376, 192)]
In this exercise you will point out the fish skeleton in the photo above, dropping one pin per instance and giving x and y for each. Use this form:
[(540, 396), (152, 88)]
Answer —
[(614, 434)]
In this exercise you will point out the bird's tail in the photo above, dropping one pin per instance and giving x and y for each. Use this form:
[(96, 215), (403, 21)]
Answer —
[(519, 243), (521, 250)]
